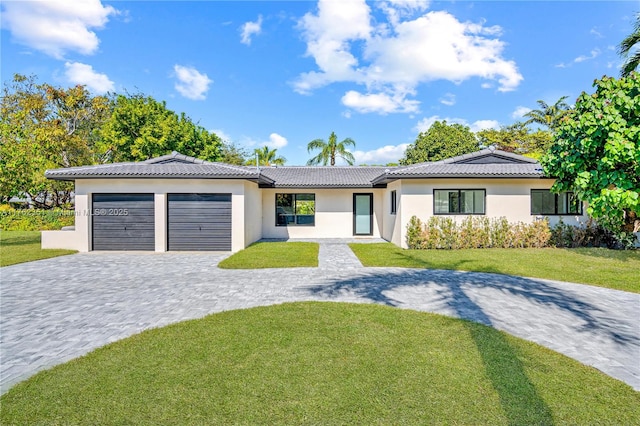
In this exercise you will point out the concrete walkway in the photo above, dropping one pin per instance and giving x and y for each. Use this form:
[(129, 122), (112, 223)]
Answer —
[(57, 309)]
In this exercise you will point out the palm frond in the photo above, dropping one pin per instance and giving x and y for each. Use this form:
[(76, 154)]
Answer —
[(631, 65), (316, 144)]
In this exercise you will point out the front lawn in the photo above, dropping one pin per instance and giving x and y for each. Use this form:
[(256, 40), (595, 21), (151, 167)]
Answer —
[(614, 269), (322, 363), (24, 246), (273, 255)]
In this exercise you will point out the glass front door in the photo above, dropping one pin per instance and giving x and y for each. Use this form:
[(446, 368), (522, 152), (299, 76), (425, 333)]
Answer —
[(362, 214)]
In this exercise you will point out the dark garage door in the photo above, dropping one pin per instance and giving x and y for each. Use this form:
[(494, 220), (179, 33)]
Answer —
[(199, 222), (123, 222)]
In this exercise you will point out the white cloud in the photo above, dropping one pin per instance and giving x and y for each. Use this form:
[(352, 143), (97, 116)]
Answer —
[(384, 155), (596, 33), (379, 102), (191, 83), (84, 74), (276, 141), (519, 112), (448, 99), (222, 135), (593, 54), (249, 29), (328, 35), (424, 124), (476, 126), (55, 26), (400, 54)]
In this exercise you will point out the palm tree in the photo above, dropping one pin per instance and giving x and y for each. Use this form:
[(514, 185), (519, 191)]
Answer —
[(548, 115), (330, 150), (626, 46), (266, 157)]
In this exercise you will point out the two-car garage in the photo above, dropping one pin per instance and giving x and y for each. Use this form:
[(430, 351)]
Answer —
[(194, 222)]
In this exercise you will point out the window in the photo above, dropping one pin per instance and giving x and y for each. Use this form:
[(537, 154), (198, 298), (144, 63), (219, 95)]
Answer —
[(543, 201), (295, 209), (458, 201), (394, 201)]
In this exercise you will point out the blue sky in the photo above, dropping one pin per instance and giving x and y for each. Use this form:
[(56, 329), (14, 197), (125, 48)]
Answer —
[(285, 73)]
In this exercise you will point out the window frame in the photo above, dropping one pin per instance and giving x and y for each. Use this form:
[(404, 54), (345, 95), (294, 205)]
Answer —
[(459, 213), (394, 202), (557, 199), (295, 215)]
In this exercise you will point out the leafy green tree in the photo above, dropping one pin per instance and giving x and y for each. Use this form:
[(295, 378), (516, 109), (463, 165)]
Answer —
[(266, 157), (441, 141), (627, 47), (517, 138), (549, 115), (230, 153), (44, 127), (330, 150), (596, 154), (141, 128)]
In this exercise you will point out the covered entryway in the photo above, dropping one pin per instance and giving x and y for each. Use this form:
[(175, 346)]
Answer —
[(123, 222), (199, 222)]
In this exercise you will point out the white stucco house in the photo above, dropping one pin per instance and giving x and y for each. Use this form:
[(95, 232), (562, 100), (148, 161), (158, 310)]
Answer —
[(177, 202)]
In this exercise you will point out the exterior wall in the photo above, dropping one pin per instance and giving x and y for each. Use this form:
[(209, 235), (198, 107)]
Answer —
[(391, 223), (80, 239), (254, 217), (333, 218), (252, 213), (509, 198)]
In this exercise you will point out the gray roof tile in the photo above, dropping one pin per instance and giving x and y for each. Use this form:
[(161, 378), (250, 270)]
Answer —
[(319, 177), (486, 163)]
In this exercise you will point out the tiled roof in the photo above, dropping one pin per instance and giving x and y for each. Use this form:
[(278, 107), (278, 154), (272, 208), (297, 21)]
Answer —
[(169, 166), (318, 177), (481, 164)]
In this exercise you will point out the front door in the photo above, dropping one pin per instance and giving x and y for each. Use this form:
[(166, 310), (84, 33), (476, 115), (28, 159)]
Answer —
[(362, 214)]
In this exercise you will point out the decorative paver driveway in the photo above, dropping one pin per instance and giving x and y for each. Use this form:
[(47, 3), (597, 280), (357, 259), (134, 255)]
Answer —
[(57, 309)]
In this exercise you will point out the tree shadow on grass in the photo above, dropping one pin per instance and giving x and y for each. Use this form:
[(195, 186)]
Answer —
[(520, 400), (17, 242)]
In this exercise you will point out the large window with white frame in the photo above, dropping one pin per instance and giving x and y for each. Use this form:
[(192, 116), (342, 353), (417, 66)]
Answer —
[(459, 201), (295, 209), (545, 202)]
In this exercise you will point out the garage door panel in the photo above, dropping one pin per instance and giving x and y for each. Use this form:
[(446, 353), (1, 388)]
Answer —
[(199, 222), (123, 222)]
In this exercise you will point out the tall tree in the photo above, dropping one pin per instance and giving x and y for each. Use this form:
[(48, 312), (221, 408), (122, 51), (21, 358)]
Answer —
[(230, 153), (517, 138), (627, 47), (266, 157), (441, 141), (596, 154), (44, 127), (549, 116), (141, 128), (331, 150)]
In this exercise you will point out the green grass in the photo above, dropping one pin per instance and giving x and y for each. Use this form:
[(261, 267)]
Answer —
[(614, 269), (322, 363), (24, 246), (273, 255)]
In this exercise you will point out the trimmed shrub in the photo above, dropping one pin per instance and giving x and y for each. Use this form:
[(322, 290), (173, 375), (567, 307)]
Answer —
[(475, 232), (34, 220), (589, 234)]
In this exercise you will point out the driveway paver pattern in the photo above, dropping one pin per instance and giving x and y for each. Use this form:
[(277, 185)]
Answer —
[(57, 309)]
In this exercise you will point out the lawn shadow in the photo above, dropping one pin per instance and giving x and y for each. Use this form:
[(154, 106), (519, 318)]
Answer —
[(16, 242), (520, 401), (606, 253)]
